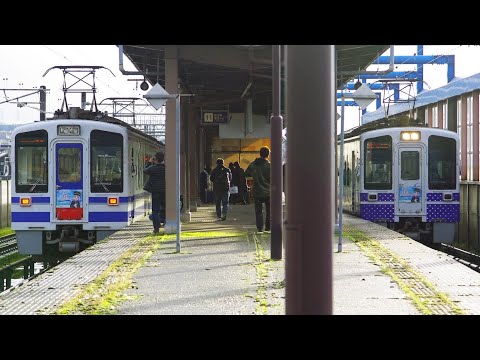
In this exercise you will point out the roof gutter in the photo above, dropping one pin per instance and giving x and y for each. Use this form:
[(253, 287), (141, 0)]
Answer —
[(391, 67)]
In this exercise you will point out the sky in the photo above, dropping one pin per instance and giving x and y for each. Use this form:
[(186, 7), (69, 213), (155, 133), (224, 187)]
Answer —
[(23, 66), (467, 63)]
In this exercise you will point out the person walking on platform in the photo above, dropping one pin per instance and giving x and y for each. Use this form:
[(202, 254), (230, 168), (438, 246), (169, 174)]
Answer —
[(259, 169), (240, 181), (233, 197), (203, 185), (221, 178), (155, 168)]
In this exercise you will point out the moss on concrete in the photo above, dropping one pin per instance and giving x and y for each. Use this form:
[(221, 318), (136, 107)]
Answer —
[(408, 279), (102, 295)]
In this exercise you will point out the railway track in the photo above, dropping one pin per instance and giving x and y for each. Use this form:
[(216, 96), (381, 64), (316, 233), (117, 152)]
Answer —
[(14, 273), (8, 245), (467, 258)]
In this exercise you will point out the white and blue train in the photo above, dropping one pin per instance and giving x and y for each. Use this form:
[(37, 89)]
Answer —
[(76, 179), (404, 177)]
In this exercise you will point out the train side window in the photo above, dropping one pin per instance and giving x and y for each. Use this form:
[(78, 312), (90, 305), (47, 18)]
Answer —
[(106, 162), (378, 163), (31, 162)]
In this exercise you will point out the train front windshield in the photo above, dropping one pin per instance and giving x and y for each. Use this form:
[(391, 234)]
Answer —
[(441, 163), (31, 171), (378, 163), (107, 162)]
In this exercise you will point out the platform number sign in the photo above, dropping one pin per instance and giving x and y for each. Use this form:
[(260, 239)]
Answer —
[(214, 117)]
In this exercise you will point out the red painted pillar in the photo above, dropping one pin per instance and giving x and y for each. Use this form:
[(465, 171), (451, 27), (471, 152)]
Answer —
[(430, 115), (309, 229), (440, 114), (475, 135), (464, 137)]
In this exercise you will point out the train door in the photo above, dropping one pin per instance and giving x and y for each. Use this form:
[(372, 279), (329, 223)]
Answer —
[(411, 193), (69, 193)]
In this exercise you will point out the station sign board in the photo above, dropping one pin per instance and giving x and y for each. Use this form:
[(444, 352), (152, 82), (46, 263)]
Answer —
[(214, 117)]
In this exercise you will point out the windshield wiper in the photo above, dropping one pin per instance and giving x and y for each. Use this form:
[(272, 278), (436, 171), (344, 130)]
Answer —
[(35, 185), (104, 185)]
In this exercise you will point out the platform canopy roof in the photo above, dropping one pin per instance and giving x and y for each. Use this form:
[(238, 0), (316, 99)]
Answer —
[(219, 75)]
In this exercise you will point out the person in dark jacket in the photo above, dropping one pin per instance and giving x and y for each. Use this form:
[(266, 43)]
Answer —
[(221, 178), (232, 197), (240, 181), (203, 185), (155, 168), (259, 169)]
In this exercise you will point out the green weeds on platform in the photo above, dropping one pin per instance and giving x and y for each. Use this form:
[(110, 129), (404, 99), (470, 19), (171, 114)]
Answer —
[(103, 294), (261, 271), (263, 266), (409, 280)]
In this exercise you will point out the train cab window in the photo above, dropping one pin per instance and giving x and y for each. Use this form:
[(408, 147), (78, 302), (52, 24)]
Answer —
[(106, 162), (441, 163), (410, 165), (31, 162), (378, 163), (69, 162)]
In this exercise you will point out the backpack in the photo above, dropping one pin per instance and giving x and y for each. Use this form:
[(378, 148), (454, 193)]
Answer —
[(222, 180)]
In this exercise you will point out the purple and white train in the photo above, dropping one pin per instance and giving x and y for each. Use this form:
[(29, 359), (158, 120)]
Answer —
[(404, 177), (76, 179)]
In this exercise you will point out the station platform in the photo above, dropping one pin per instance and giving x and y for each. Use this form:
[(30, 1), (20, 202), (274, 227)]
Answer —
[(224, 268)]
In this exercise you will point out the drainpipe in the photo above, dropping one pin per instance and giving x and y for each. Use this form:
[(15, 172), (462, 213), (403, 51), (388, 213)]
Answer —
[(374, 72), (125, 72)]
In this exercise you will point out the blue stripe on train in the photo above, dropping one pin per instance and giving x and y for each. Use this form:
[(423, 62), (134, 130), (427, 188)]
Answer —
[(91, 199), (30, 216), (103, 200), (35, 200), (108, 216)]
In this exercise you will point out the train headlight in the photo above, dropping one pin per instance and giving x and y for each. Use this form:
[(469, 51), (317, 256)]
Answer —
[(410, 135), (25, 201), (113, 201)]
